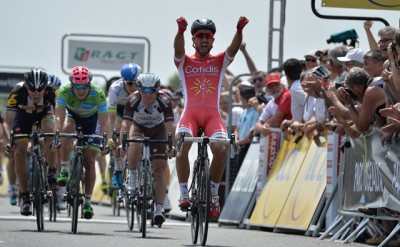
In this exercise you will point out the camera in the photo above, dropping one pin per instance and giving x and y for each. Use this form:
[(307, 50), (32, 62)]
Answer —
[(342, 37)]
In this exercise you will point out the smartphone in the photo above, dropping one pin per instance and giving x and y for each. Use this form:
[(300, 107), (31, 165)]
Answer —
[(352, 95)]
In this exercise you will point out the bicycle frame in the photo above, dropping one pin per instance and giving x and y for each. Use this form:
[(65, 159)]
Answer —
[(74, 195), (38, 189), (145, 189), (200, 193)]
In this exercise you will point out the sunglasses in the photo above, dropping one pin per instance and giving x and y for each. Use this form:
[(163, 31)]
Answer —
[(254, 80), (80, 87), (384, 41), (130, 83), (148, 90), (203, 35), (32, 90), (311, 60)]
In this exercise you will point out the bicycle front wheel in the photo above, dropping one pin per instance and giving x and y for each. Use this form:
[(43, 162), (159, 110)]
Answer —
[(53, 205), (144, 195), (194, 212), (38, 194), (129, 204), (75, 187), (204, 193)]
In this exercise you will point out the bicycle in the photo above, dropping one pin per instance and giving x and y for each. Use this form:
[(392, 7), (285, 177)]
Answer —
[(144, 196), (75, 195), (200, 192), (38, 187), (113, 192)]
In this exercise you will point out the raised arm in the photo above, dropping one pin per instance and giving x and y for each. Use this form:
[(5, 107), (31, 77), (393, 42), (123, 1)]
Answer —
[(237, 39), (373, 45), (179, 42), (249, 61)]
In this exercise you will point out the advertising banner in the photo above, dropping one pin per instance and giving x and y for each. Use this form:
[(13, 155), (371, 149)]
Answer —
[(307, 190), (104, 53), (269, 148), (280, 182), (363, 4), (362, 182)]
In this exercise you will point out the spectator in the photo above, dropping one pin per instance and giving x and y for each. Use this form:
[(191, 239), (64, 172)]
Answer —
[(225, 111), (353, 58), (311, 59), (276, 110), (247, 120), (292, 69), (337, 67)]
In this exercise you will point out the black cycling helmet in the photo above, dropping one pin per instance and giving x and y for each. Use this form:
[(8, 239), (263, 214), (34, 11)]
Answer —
[(36, 79), (203, 23)]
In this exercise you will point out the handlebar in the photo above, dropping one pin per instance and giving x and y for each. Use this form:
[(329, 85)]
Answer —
[(145, 140), (206, 140)]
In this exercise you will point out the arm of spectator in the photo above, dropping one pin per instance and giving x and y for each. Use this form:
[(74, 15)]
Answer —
[(373, 97), (373, 45), (393, 55), (249, 61), (276, 120), (393, 125), (256, 105), (391, 111)]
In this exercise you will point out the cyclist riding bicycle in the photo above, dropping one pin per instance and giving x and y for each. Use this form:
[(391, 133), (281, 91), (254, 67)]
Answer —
[(31, 101), (83, 104), (150, 113), (201, 76), (117, 97)]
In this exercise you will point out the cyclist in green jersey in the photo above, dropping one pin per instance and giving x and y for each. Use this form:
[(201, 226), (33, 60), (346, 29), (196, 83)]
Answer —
[(81, 103)]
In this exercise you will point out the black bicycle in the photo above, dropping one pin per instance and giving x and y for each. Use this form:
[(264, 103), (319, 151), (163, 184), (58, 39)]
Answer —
[(144, 195), (75, 195), (200, 194), (38, 187), (115, 194)]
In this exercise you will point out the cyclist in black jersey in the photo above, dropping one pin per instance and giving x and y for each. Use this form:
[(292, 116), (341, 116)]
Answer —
[(31, 101)]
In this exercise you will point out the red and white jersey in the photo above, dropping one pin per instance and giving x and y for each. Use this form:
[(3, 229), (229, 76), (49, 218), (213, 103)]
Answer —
[(202, 78)]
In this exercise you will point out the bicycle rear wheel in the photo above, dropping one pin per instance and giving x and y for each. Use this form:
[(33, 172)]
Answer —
[(205, 200), (75, 187), (38, 195)]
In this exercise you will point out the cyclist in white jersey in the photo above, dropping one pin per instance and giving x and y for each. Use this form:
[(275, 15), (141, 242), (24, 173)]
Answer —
[(117, 97)]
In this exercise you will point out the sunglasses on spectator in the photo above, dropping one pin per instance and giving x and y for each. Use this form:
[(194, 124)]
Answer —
[(311, 60), (32, 90), (130, 83), (148, 90), (254, 80), (384, 41), (203, 35), (80, 87)]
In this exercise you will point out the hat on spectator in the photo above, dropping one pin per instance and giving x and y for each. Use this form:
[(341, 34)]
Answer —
[(244, 84), (271, 78), (313, 53), (355, 54)]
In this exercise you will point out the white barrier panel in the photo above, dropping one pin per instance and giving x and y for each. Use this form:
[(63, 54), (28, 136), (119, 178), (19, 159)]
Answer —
[(243, 188)]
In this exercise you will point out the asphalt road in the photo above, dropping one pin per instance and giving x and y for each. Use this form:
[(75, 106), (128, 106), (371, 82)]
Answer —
[(105, 229)]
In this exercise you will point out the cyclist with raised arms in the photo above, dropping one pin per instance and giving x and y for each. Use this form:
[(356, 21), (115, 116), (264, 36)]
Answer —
[(201, 76), (81, 103), (31, 101), (150, 112), (117, 97)]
